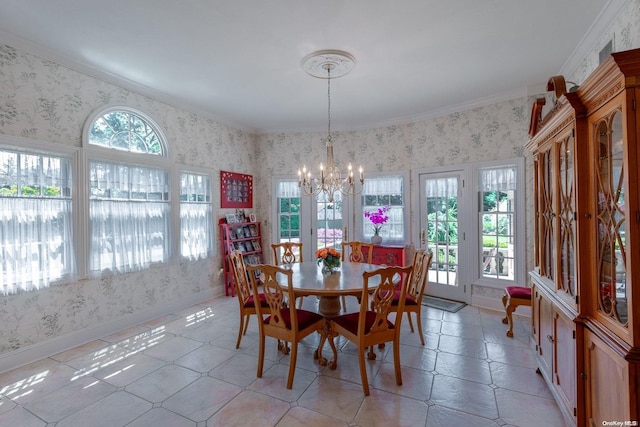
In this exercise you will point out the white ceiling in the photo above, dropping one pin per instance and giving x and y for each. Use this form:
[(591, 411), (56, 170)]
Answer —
[(238, 61)]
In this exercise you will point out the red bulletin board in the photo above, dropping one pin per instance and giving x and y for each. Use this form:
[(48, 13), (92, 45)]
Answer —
[(236, 190)]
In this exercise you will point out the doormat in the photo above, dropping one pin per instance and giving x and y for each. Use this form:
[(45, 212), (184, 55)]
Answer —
[(442, 304)]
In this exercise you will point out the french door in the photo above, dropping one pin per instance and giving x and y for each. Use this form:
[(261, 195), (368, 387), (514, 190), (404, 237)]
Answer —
[(314, 221), (441, 232)]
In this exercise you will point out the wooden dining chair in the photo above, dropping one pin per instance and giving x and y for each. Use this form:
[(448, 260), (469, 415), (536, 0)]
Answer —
[(246, 298), (281, 321), (415, 289), (356, 254), (372, 324), (288, 253)]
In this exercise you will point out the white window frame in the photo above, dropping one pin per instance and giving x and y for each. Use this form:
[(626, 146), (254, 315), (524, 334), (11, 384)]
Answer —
[(29, 146), (519, 276), (101, 153), (363, 226), (210, 231)]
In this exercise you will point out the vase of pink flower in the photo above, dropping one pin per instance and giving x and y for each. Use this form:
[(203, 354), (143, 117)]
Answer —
[(378, 218)]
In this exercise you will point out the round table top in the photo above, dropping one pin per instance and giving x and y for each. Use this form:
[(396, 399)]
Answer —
[(308, 278)]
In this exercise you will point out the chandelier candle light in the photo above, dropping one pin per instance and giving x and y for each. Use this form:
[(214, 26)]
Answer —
[(330, 182)]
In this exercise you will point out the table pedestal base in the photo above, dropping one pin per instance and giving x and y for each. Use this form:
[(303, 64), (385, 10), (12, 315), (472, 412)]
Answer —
[(327, 332)]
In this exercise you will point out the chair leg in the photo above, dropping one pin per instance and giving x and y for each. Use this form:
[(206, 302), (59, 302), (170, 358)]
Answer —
[(292, 364), (244, 320), (344, 303), (260, 356), (363, 371), (419, 322), (246, 324), (396, 360), (300, 302), (410, 321)]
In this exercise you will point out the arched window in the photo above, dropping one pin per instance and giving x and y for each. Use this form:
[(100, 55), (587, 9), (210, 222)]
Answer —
[(129, 196), (126, 129)]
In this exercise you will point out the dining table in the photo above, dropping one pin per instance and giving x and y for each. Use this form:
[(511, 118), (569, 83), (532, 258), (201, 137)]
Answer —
[(308, 279)]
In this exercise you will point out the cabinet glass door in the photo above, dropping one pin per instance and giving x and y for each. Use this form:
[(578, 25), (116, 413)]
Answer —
[(610, 223), (547, 217), (566, 216)]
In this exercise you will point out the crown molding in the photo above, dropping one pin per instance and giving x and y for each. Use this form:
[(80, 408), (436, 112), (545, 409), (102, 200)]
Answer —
[(593, 35)]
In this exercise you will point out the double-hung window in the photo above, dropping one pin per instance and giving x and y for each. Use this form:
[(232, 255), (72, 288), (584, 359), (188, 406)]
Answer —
[(382, 191), (35, 220), (196, 234), (499, 208)]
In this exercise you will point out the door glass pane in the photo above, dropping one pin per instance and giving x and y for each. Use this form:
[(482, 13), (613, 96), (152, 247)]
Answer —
[(442, 229), (329, 222), (611, 223), (288, 198)]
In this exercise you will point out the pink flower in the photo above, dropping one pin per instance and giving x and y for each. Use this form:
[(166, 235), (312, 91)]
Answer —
[(378, 218)]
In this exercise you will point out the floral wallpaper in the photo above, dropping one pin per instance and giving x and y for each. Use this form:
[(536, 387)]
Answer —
[(47, 102)]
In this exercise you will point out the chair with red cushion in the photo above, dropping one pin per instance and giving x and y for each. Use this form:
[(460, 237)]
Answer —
[(245, 296), (512, 298), (288, 253), (372, 324), (415, 289), (280, 320), (358, 252)]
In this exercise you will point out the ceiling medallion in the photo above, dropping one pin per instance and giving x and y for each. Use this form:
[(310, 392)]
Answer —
[(317, 63)]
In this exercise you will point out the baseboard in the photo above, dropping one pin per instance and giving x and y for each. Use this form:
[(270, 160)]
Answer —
[(32, 353), (496, 305)]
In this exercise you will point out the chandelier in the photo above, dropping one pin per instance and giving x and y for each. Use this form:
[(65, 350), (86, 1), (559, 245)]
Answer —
[(327, 64)]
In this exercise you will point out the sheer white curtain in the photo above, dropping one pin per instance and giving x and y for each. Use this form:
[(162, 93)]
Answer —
[(196, 233), (288, 189), (36, 243), (35, 221), (129, 217), (498, 179)]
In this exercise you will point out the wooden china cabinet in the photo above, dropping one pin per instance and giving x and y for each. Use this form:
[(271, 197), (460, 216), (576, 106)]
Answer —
[(558, 143), (587, 243)]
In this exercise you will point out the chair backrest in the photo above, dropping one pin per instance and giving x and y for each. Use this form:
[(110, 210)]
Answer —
[(287, 252), (419, 275), (357, 254), (277, 288), (379, 300), (243, 289)]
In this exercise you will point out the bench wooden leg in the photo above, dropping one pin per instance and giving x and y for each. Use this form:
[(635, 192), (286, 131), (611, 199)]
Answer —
[(504, 304), (509, 318)]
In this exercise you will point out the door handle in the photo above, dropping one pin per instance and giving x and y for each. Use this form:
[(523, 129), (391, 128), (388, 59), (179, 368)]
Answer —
[(423, 236)]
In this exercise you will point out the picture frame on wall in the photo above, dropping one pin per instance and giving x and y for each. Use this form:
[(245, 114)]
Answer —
[(236, 190)]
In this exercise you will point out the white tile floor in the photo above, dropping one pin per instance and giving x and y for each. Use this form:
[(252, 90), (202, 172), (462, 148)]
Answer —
[(183, 370)]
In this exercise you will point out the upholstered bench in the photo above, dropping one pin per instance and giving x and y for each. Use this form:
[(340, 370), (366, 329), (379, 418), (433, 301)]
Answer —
[(512, 298)]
